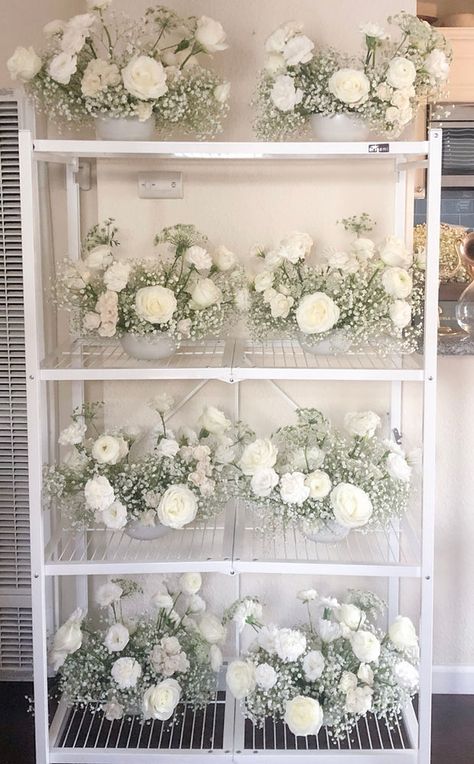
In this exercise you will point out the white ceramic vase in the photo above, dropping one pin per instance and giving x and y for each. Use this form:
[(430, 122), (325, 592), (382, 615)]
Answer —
[(148, 347), (136, 530), (338, 128), (124, 129), (329, 532), (335, 343)]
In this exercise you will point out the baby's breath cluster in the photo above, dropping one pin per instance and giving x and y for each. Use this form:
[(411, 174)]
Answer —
[(331, 671)]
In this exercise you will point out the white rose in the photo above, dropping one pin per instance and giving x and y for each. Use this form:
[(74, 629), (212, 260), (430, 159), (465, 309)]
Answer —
[(62, 67), (402, 633), (284, 94), (394, 252), (260, 453), (295, 247), (406, 676), (210, 35), (289, 644), (317, 313), (363, 424), (178, 506), (211, 629), (107, 449), (313, 665), (351, 505), (190, 583), (223, 258), (215, 655), (116, 277), (398, 467), (348, 681), (114, 516), (365, 646), (304, 716), (349, 85), (275, 63), (264, 481), (167, 448), (108, 593), (298, 50), (397, 282), (363, 248), (350, 615), (99, 257), (365, 674), (24, 65), (240, 678), (222, 92), (199, 257), (113, 711), (126, 672), (116, 638), (359, 701), (68, 638), (293, 488), (265, 676), (160, 700), (263, 281), (145, 78), (307, 595), (73, 434), (214, 420), (54, 28), (155, 304), (204, 294), (319, 484), (400, 313), (98, 493), (401, 72), (437, 65), (280, 305)]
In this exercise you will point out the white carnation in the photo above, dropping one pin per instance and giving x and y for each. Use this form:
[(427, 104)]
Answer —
[(72, 435), (116, 277), (265, 676), (264, 481), (289, 644), (98, 493), (126, 672), (293, 488), (363, 424), (406, 676), (108, 593), (24, 64), (359, 700), (298, 50), (62, 67), (199, 258), (260, 453), (284, 94), (398, 467), (117, 638), (212, 629), (114, 516), (313, 665)]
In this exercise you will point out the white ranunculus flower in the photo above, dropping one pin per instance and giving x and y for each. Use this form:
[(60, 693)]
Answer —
[(304, 716), (199, 257), (394, 252), (178, 506), (401, 100), (307, 595), (264, 481), (289, 644), (205, 293), (293, 488), (116, 638), (24, 64), (318, 483), (374, 31), (223, 258), (107, 449), (210, 35), (62, 67), (215, 655), (351, 505), (265, 676), (365, 646), (317, 313), (363, 424), (144, 78), (400, 313), (160, 700), (54, 28), (275, 63), (68, 638), (214, 420), (401, 72), (263, 281), (116, 277), (260, 453), (114, 516), (437, 65), (222, 92), (240, 678), (113, 710), (359, 700), (350, 615), (402, 633), (155, 304), (99, 257), (280, 305), (406, 675), (167, 448), (313, 665), (126, 672), (348, 681), (298, 50), (397, 282), (284, 94), (73, 434), (350, 86), (98, 493), (190, 583), (211, 629), (398, 467), (196, 604), (365, 674), (108, 593)]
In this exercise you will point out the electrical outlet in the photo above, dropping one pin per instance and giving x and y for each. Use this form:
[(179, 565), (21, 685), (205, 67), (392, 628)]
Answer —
[(160, 185)]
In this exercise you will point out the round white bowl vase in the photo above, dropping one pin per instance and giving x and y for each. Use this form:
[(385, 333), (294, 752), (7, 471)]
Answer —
[(124, 129), (136, 530), (148, 347), (328, 532), (338, 128)]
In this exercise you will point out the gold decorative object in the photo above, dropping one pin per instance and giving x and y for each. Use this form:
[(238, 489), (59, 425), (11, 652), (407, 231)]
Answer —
[(451, 265)]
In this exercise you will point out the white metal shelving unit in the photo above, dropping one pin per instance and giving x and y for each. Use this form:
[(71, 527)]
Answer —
[(230, 544)]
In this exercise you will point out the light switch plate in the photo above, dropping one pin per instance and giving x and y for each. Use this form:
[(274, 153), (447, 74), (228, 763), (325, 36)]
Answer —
[(160, 185)]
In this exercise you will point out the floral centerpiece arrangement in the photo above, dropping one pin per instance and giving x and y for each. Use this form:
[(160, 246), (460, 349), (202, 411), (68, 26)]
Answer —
[(151, 304), (104, 64), (327, 480), (366, 295), (331, 671), (147, 483), (145, 665), (381, 88)]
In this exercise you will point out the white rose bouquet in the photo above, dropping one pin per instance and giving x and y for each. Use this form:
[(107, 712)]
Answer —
[(332, 671), (113, 479), (382, 87), (322, 477), (186, 292), (146, 665), (106, 64), (367, 296)]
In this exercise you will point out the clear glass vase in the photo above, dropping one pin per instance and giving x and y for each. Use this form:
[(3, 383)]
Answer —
[(465, 310)]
